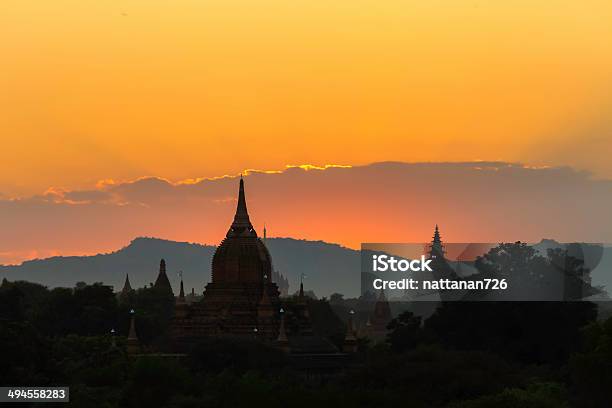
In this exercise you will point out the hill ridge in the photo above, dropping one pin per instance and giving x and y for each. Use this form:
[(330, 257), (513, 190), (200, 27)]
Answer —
[(329, 267)]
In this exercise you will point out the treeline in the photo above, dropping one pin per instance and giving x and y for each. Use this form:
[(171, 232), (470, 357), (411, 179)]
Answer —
[(85, 310), (464, 355)]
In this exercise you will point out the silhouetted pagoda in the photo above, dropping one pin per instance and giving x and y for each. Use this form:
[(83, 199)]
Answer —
[(162, 283), (126, 293), (241, 299), (282, 282), (436, 249), (442, 267), (376, 328)]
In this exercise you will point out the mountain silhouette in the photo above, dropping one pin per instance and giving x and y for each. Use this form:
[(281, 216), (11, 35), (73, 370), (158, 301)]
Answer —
[(328, 267)]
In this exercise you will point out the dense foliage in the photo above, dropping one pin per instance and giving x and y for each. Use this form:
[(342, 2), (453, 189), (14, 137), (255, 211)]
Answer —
[(465, 355)]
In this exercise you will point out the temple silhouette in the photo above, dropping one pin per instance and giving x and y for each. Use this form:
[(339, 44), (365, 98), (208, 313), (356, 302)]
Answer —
[(242, 300)]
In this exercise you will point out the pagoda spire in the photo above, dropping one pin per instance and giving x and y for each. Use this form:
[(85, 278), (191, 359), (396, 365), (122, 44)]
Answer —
[(162, 281), (282, 340), (181, 296), (350, 341), (436, 237), (125, 294), (301, 292), (126, 286), (436, 248), (302, 299), (242, 224), (181, 308), (133, 344)]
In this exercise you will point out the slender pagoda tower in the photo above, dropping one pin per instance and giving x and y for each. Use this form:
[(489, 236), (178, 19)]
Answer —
[(241, 298), (180, 306), (380, 317), (127, 288), (436, 249), (126, 293), (441, 266)]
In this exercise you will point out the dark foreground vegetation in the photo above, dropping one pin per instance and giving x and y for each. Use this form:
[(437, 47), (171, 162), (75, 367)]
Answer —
[(465, 355)]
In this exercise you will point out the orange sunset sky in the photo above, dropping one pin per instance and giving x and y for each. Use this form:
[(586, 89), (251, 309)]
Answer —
[(188, 89)]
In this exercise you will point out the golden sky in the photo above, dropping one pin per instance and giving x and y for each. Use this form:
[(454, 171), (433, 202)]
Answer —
[(91, 90)]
